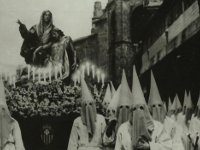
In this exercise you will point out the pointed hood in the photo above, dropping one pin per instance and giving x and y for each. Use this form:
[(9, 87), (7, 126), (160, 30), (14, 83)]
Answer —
[(140, 117), (112, 88), (154, 96), (107, 97), (197, 110), (185, 99), (88, 109), (155, 103), (189, 103), (85, 92), (138, 96), (198, 103), (5, 119), (112, 107), (169, 104), (176, 104), (2, 94), (125, 92), (125, 101)]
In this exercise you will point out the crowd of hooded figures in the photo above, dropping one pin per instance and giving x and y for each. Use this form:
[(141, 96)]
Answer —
[(130, 123)]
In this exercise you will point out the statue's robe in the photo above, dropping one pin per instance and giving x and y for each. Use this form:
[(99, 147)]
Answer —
[(63, 52), (31, 42)]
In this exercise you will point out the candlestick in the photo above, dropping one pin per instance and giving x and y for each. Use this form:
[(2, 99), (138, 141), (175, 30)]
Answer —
[(33, 70), (103, 79), (83, 71), (93, 71), (60, 70), (55, 69), (98, 75), (39, 75), (29, 70), (88, 68)]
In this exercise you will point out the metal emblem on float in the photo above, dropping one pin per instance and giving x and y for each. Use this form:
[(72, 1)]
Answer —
[(47, 134)]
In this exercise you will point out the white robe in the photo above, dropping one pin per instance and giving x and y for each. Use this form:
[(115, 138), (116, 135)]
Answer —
[(194, 129), (160, 139), (15, 142), (171, 128), (79, 139), (181, 131)]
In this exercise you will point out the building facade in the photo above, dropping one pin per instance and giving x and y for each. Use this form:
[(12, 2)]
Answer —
[(152, 34)]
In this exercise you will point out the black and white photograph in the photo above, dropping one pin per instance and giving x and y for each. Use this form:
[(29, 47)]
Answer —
[(99, 74)]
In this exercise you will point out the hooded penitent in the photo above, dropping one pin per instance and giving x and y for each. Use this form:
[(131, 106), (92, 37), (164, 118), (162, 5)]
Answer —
[(176, 106), (140, 119), (111, 113), (5, 118), (112, 88), (125, 101), (187, 107), (197, 110), (169, 113), (107, 97), (88, 108), (155, 103)]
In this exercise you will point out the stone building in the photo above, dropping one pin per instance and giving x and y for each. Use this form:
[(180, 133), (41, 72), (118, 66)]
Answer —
[(153, 34)]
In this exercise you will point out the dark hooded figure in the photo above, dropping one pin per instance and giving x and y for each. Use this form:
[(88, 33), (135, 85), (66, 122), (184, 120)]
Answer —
[(36, 46)]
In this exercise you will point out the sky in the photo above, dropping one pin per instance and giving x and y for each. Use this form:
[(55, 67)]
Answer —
[(71, 16)]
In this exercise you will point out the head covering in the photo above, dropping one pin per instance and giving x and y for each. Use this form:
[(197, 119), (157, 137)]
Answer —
[(138, 95), (5, 118), (111, 113), (140, 119), (185, 101), (187, 108), (88, 108), (197, 110), (44, 32), (125, 101), (169, 107), (155, 103), (112, 88), (107, 97), (176, 106)]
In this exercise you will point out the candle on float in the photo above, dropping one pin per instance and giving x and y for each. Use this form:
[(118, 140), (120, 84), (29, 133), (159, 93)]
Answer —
[(14, 81), (78, 76), (88, 68), (29, 70), (83, 70), (93, 71), (39, 75), (33, 70), (44, 75), (49, 72), (74, 78), (60, 70), (56, 72), (103, 79), (98, 75)]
